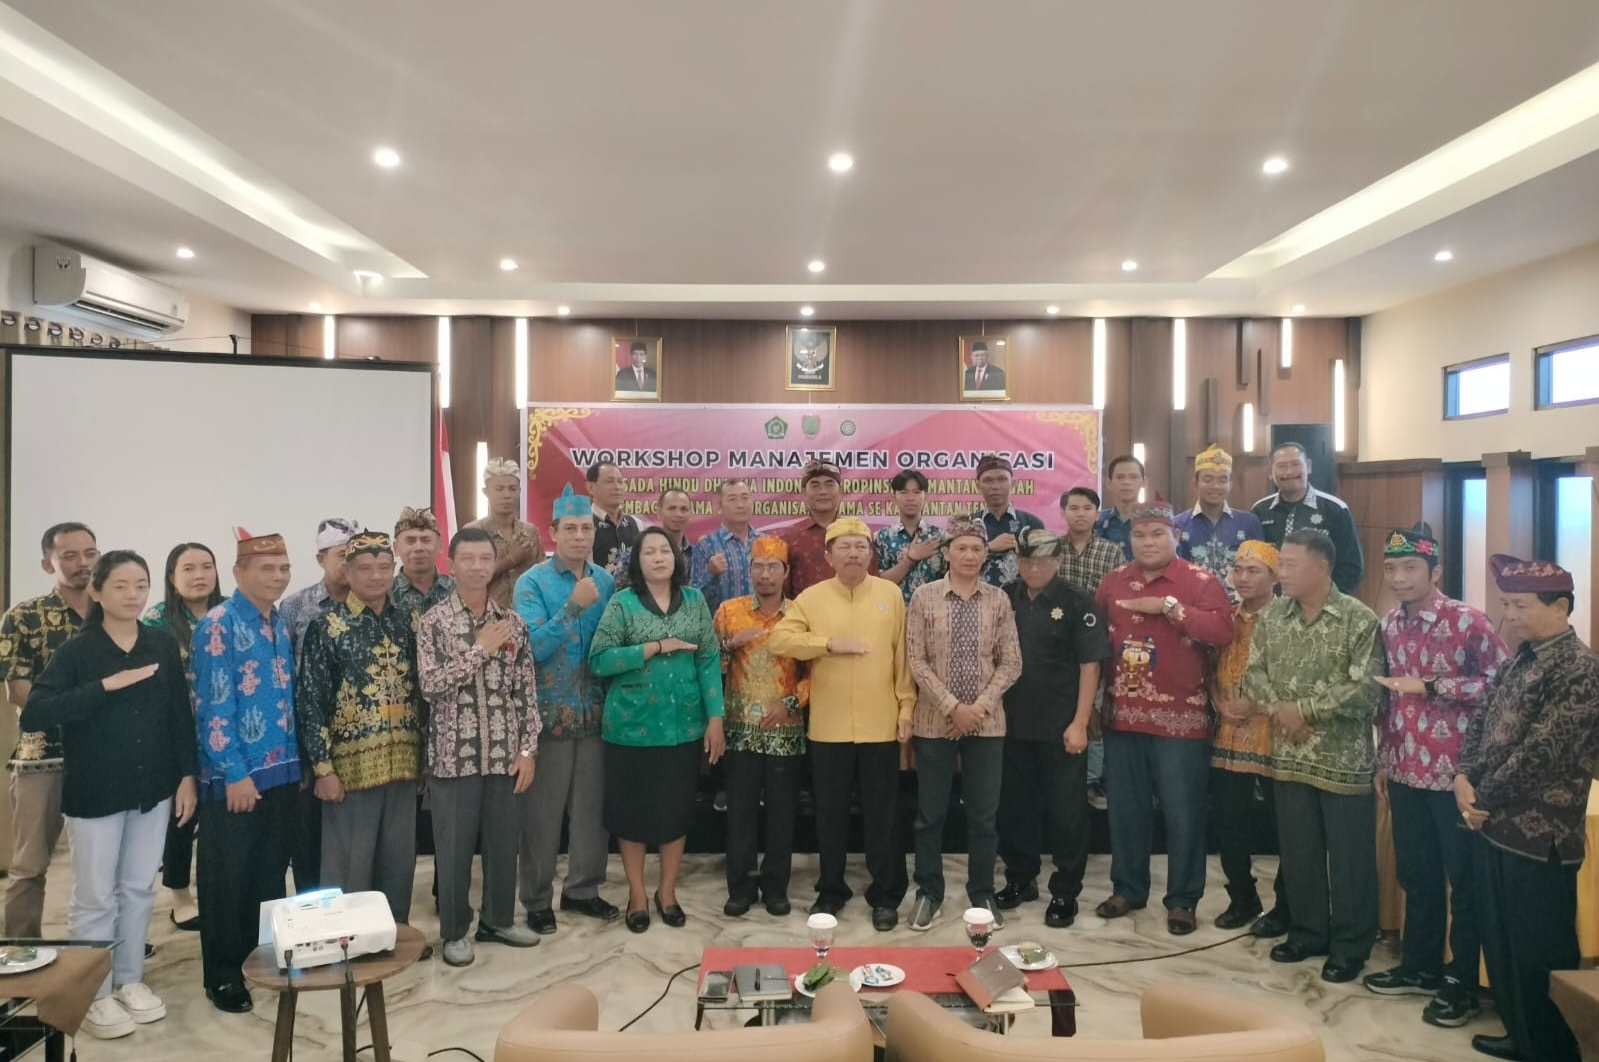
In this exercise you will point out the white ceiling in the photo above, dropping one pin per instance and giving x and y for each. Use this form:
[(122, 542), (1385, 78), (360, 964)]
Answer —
[(658, 158)]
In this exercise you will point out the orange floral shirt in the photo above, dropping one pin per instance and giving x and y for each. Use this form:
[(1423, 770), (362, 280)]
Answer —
[(1241, 747), (755, 678)]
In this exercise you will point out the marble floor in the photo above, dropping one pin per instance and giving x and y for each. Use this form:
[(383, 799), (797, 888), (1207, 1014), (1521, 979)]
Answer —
[(434, 1006)]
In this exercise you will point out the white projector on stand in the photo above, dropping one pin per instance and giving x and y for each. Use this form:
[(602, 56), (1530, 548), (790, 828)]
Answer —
[(322, 928)]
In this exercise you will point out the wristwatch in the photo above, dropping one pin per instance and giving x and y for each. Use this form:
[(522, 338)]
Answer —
[(1169, 605)]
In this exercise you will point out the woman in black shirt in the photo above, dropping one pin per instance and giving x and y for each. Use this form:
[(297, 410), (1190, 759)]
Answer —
[(117, 691)]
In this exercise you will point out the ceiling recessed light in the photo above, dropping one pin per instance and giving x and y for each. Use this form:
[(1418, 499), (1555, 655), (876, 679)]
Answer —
[(1274, 165), (999, 342), (1444, 256), (1129, 265), (315, 307), (806, 311), (1052, 310), (184, 252), (1299, 307), (563, 310), (386, 157), (366, 276), (508, 264), (817, 265), (840, 162)]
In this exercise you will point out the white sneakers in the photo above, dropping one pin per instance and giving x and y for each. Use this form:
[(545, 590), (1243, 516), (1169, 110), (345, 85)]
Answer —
[(117, 1014)]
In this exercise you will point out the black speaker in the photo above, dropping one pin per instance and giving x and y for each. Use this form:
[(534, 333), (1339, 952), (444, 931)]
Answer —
[(1317, 439)]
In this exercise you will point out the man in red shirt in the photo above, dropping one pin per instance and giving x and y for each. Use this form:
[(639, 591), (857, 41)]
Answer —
[(823, 486), (1163, 613)]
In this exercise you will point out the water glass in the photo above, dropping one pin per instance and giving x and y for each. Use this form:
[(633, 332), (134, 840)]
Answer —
[(979, 927), (821, 928)]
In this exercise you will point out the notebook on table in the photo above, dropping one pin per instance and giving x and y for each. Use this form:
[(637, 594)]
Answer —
[(995, 985)]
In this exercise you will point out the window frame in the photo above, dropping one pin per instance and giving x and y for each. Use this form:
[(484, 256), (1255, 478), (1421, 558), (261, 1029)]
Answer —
[(1451, 374), (1541, 380), (1456, 474)]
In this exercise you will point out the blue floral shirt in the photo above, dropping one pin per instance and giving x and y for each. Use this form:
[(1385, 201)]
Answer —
[(891, 543), (735, 582), (1001, 569), (1112, 527), (1213, 546), (244, 699), (571, 696)]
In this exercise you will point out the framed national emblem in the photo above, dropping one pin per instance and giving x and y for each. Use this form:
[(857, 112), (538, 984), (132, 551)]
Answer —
[(811, 358)]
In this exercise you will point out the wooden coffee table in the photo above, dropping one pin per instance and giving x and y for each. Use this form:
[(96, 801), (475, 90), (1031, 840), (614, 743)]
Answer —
[(369, 972), (929, 971)]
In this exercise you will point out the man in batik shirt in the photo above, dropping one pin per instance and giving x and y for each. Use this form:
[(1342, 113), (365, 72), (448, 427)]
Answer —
[(309, 602), (765, 722), (516, 542), (1001, 520), (475, 668), (720, 565), (30, 634), (1523, 785), (1210, 533), (823, 486), (360, 725), (911, 553), (1441, 656), (419, 585)]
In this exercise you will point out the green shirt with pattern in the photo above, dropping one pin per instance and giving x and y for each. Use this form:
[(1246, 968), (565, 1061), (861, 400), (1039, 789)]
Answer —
[(1329, 668), (667, 699)]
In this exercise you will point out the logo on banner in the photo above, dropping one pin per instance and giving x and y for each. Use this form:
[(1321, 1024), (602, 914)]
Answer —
[(776, 428), (811, 425), (847, 428)]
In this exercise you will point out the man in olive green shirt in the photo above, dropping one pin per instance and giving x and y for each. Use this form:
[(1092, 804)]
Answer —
[(1313, 662)]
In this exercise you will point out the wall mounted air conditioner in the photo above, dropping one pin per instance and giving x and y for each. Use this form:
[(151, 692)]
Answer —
[(104, 294)]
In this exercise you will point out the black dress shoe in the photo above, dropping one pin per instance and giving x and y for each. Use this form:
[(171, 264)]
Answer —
[(778, 906), (188, 925), (638, 921), (1496, 1047), (1016, 893), (823, 905), (885, 918), (230, 998), (593, 907), (736, 907), (1291, 951), (1271, 924), (1060, 913), (672, 916), (541, 922), (1340, 971), (1238, 914)]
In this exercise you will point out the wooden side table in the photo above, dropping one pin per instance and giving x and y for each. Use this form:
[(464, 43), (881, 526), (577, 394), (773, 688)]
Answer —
[(369, 972)]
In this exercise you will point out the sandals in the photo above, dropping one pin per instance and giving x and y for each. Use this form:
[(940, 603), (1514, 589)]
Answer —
[(1117, 907)]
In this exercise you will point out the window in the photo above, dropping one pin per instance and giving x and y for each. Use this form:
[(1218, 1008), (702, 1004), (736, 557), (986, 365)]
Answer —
[(1465, 574), (1477, 388), (1568, 373), (1574, 544)]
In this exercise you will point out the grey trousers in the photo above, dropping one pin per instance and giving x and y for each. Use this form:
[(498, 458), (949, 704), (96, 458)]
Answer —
[(36, 825), (369, 842), (465, 810), (569, 781)]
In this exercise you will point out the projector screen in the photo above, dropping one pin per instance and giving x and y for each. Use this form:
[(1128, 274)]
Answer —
[(153, 449)]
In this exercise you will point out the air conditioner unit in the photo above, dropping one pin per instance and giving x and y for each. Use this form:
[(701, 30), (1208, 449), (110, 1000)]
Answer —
[(104, 294)]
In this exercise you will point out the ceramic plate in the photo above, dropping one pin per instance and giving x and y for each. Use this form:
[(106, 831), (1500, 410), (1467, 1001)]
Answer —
[(854, 983), (1011, 952), (45, 957), (877, 975)]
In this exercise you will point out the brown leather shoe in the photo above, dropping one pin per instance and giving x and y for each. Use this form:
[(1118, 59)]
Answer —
[(1116, 907), (1180, 921)]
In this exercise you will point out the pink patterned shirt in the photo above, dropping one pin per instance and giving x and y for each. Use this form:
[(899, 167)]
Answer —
[(1457, 647)]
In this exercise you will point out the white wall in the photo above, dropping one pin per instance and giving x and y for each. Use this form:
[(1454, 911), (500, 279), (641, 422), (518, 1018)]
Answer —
[(209, 322), (1405, 349)]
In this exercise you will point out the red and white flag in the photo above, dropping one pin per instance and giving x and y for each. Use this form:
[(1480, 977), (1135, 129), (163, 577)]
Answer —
[(443, 492)]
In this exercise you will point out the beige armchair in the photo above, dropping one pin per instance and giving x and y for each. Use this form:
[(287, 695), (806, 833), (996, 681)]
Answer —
[(561, 1025), (1179, 1023)]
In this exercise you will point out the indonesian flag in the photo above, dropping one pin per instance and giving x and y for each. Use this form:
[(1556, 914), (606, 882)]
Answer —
[(443, 492)]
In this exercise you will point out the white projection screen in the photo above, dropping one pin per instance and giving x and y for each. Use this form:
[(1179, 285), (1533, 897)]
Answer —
[(152, 449)]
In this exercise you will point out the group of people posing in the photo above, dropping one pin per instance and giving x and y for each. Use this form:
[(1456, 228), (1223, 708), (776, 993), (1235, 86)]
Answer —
[(1207, 665)]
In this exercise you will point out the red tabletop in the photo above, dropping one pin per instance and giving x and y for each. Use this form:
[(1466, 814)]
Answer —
[(927, 970)]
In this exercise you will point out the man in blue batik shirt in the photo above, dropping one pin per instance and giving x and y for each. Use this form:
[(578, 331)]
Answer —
[(561, 601), (720, 565), (1209, 534), (1002, 520), (1125, 478)]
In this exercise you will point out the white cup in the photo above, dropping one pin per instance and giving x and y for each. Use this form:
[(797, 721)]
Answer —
[(825, 921), (976, 916)]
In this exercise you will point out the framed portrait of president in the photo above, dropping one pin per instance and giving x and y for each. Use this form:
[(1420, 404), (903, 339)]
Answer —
[(637, 363), (984, 360), (811, 358)]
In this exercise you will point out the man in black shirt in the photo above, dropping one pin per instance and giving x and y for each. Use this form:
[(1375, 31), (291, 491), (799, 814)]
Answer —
[(1297, 506), (1044, 789), (614, 531)]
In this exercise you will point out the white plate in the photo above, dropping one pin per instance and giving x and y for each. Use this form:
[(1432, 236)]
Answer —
[(45, 957), (1011, 952), (799, 983), (886, 976)]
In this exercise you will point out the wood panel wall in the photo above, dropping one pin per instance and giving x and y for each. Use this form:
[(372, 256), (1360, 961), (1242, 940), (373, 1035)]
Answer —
[(1230, 362)]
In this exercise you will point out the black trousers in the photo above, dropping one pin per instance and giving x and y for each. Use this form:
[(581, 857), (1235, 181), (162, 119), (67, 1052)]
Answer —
[(178, 856), (751, 777), (1043, 806), (1328, 843), (1432, 853), (242, 861), (1239, 803), (874, 768), (305, 841), (1527, 912)]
